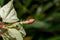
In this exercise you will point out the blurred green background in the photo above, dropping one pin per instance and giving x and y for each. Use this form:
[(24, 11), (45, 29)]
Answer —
[(46, 14)]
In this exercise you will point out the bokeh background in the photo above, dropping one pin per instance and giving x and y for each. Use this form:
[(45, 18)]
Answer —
[(46, 14)]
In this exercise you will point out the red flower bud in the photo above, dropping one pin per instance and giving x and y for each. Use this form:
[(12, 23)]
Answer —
[(30, 21)]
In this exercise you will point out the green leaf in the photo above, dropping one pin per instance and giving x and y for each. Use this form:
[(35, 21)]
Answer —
[(56, 15), (28, 2), (38, 12), (21, 9), (47, 6), (54, 38), (37, 24), (1, 2)]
